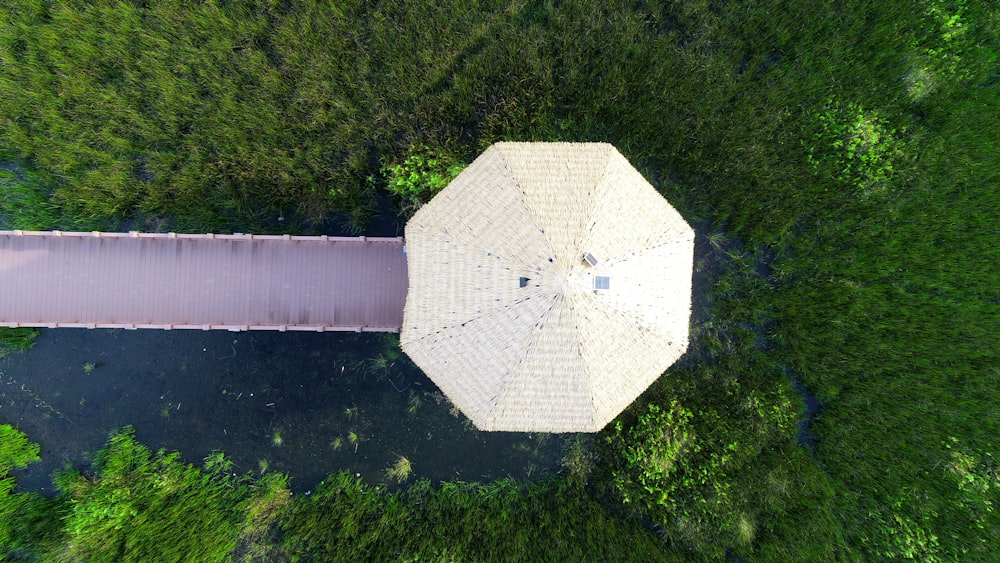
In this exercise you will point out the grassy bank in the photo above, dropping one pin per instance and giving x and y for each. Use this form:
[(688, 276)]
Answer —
[(842, 156)]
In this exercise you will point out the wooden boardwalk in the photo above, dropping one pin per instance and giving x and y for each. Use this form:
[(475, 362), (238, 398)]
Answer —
[(179, 281)]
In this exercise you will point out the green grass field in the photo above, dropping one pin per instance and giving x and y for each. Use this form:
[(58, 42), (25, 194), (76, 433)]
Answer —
[(839, 158)]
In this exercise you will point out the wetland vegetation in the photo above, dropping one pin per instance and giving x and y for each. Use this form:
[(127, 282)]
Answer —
[(838, 160)]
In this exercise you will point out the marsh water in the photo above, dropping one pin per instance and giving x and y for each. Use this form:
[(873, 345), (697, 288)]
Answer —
[(306, 404)]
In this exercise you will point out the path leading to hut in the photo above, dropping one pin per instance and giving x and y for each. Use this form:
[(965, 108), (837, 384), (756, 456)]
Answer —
[(201, 281)]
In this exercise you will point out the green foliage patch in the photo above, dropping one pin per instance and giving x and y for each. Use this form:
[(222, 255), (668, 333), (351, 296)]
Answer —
[(25, 518), (16, 339), (422, 173), (855, 147), (140, 506), (15, 449)]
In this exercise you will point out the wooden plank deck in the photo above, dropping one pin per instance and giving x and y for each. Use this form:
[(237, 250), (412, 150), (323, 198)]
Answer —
[(176, 281)]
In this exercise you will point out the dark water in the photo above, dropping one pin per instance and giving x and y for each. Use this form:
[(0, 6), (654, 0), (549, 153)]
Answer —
[(812, 404), (195, 392)]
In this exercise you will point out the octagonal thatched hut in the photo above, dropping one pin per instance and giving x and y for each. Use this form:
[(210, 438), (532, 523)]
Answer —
[(550, 285)]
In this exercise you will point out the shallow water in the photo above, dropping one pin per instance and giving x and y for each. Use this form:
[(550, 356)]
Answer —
[(805, 436), (196, 392)]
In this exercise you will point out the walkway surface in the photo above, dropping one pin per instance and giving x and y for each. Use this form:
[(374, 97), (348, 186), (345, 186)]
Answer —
[(175, 281)]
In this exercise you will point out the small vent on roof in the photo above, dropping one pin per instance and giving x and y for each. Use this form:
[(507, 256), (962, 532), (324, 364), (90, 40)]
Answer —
[(602, 282), (590, 259), (524, 282)]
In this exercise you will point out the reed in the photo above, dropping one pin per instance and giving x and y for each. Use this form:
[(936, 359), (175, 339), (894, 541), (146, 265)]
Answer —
[(16, 340), (401, 470), (336, 443)]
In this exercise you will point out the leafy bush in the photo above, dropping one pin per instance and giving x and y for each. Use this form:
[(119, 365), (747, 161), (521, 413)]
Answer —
[(940, 45), (422, 173), (685, 490), (855, 146), (653, 452)]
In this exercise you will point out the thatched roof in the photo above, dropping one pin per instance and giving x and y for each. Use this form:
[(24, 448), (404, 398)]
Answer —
[(507, 310)]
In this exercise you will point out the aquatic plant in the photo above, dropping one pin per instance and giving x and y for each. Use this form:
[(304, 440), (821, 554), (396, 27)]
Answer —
[(389, 353), (413, 403), (276, 438), (25, 203), (15, 449), (578, 460), (270, 501), (262, 466), (401, 470), (717, 238), (16, 339), (391, 349), (350, 412), (336, 443), (39, 402), (88, 368), (379, 363)]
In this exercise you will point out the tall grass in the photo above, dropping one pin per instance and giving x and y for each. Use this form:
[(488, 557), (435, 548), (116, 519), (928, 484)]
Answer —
[(137, 505), (29, 523), (16, 340), (345, 520)]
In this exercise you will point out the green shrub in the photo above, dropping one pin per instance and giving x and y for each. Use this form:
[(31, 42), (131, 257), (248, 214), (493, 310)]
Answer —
[(679, 480), (422, 173), (652, 451), (855, 146)]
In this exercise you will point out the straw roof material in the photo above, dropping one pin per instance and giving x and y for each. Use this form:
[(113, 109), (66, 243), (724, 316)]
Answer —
[(502, 312)]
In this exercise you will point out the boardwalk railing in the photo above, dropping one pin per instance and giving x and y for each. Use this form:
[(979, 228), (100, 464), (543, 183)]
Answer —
[(201, 281)]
